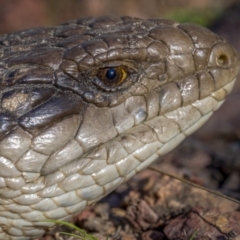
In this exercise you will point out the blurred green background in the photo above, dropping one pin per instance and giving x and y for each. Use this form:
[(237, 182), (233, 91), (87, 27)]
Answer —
[(22, 14)]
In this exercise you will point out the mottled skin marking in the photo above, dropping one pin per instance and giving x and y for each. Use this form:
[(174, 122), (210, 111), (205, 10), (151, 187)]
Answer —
[(67, 138), (14, 102)]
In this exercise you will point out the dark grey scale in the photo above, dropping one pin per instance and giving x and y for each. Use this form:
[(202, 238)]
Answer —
[(64, 81), (7, 123), (72, 41), (60, 106), (30, 37), (49, 57), (69, 31), (29, 75)]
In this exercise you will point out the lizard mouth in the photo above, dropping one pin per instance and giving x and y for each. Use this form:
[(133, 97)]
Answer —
[(143, 144)]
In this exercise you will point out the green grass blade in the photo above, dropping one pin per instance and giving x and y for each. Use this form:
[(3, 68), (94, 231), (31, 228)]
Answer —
[(86, 237), (194, 235), (71, 225), (82, 233), (73, 235)]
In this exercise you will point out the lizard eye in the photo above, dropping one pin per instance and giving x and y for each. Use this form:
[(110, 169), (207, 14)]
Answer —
[(112, 76)]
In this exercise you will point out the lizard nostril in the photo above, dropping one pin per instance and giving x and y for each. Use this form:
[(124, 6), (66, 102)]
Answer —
[(223, 61), (222, 55)]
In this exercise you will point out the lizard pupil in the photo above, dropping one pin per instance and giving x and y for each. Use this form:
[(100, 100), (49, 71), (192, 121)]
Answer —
[(111, 73)]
